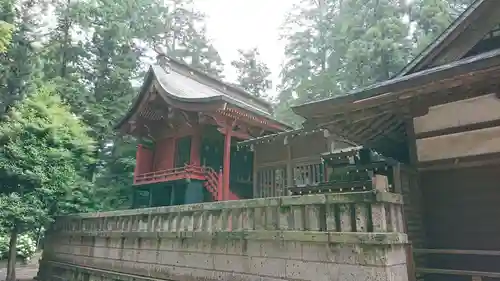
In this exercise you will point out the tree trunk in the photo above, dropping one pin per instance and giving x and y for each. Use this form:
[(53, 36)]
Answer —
[(11, 264)]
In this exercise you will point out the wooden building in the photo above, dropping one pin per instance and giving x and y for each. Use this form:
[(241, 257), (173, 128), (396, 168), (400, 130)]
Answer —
[(291, 159), (440, 118), (188, 123)]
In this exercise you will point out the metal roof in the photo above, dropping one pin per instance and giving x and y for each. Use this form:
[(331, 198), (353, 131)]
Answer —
[(182, 84), (187, 89)]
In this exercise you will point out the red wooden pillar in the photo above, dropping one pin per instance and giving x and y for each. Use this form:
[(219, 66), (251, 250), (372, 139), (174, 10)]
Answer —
[(138, 154), (170, 153), (195, 148), (227, 161)]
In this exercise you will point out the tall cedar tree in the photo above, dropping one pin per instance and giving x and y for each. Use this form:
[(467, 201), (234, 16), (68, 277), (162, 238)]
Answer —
[(180, 29), (5, 35), (19, 63), (253, 73), (335, 46)]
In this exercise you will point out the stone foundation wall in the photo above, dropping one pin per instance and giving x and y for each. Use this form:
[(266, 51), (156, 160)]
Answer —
[(261, 239)]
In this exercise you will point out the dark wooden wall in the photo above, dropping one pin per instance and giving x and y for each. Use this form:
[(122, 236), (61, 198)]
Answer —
[(462, 211), (413, 210)]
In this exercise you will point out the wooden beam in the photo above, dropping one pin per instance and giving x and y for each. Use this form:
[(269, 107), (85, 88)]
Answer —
[(457, 252), (472, 110), (459, 129), (470, 143), (467, 162), (236, 134), (459, 272)]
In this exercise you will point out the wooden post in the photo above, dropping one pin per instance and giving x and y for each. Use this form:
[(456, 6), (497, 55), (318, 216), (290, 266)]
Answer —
[(413, 163), (289, 168), (138, 161), (195, 148), (227, 161), (254, 173), (396, 175), (170, 153)]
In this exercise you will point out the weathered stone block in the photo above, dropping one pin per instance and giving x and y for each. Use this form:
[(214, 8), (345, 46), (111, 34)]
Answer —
[(199, 260), (280, 249), (315, 252), (230, 263), (367, 255), (302, 270), (267, 267), (252, 248)]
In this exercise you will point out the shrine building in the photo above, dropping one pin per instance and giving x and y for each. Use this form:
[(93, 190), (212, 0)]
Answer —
[(188, 123)]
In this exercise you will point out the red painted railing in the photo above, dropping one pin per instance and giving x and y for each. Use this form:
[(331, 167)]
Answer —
[(213, 179), (213, 183), (186, 172)]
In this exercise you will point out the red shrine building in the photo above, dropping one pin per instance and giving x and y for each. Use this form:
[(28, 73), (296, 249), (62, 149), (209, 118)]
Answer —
[(188, 124)]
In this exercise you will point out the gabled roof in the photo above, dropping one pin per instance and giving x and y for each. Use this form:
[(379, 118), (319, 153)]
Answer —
[(459, 38), (185, 87), (230, 90)]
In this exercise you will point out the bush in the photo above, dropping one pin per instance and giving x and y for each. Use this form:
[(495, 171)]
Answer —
[(26, 246)]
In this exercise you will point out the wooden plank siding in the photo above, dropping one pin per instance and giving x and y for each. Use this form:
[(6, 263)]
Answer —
[(475, 110), (459, 130)]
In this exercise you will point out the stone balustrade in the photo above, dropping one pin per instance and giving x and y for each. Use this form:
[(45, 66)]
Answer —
[(348, 236), (349, 212)]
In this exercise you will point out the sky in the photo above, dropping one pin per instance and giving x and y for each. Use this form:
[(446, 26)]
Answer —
[(244, 24)]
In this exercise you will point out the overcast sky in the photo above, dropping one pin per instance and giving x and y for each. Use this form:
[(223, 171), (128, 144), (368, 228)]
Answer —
[(244, 24)]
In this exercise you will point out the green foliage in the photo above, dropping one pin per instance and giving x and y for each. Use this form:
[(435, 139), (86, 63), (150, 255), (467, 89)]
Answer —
[(5, 35), (44, 151), (253, 74), (432, 17), (4, 246), (19, 64)]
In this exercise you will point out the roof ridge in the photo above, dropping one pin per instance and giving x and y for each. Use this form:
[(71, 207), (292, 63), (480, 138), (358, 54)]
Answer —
[(235, 88)]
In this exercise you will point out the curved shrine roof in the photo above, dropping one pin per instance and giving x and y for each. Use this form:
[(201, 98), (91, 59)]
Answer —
[(180, 84), (185, 88)]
